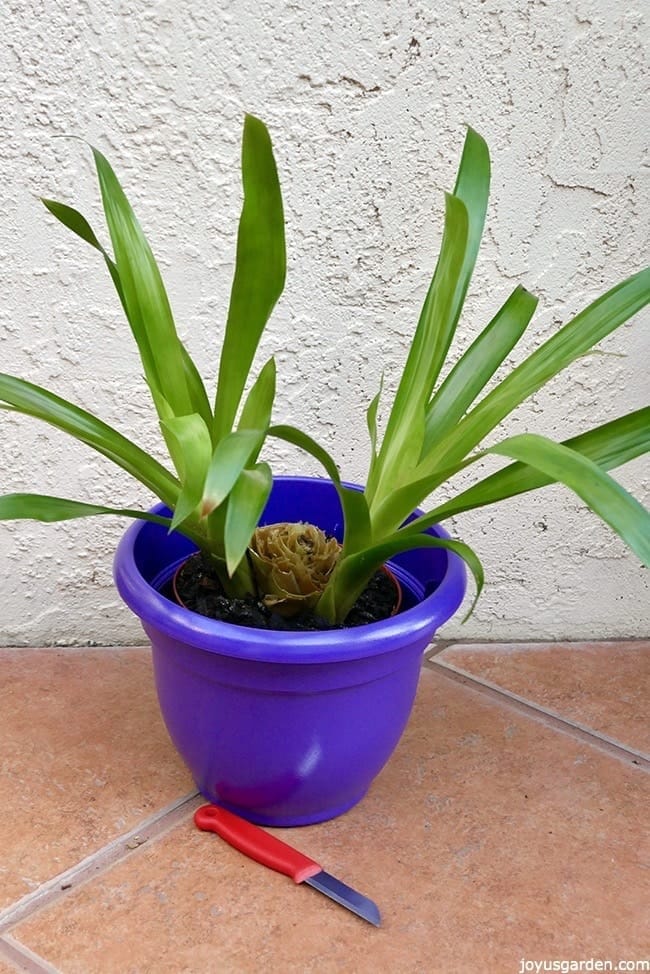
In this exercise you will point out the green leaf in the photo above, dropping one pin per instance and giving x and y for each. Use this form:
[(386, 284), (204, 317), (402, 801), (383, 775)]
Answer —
[(41, 507), (258, 407), (387, 516), (291, 434), (231, 455), (76, 222), (246, 502), (404, 436), (259, 271), (404, 440), (598, 490), (145, 300), (190, 445), (473, 188), (351, 574), (479, 363), (356, 516), (34, 401), (594, 323), (609, 446)]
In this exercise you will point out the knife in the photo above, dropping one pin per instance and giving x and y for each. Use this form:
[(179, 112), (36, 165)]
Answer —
[(272, 852)]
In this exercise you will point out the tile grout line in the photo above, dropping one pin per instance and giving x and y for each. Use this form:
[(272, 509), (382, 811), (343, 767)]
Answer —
[(24, 959), (548, 717), (440, 645), (96, 863), (75, 648)]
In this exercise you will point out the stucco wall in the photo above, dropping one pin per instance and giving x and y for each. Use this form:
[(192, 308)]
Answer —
[(366, 103)]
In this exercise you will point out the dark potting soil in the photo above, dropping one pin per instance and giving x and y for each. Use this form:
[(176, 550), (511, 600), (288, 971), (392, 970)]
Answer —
[(200, 590)]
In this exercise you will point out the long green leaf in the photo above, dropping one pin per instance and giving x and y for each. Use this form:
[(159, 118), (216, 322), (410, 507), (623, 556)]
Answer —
[(590, 326), (609, 446), (259, 271), (598, 490), (393, 510), (477, 366), (290, 434), (41, 507), (542, 461), (245, 505), (404, 436), (352, 573), (473, 188), (75, 221), (144, 296), (34, 401), (356, 515), (356, 520)]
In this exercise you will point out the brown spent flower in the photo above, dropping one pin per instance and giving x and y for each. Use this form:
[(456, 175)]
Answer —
[(292, 563)]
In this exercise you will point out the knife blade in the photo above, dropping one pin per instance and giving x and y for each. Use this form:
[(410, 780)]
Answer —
[(273, 852)]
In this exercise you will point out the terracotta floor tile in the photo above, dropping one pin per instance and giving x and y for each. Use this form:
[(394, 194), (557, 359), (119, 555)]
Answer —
[(5, 967), (84, 757), (603, 686), (489, 837)]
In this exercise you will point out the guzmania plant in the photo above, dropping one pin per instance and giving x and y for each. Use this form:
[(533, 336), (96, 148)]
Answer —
[(436, 425)]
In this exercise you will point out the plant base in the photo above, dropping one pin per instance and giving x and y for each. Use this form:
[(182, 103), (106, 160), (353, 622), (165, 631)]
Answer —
[(196, 587)]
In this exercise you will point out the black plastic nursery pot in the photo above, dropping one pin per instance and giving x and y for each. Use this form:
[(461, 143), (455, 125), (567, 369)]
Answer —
[(393, 587)]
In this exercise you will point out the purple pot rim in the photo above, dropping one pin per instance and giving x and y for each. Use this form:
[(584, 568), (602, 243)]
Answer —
[(270, 646)]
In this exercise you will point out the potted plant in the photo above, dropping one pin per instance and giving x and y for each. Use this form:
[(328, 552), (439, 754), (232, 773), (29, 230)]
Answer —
[(288, 725)]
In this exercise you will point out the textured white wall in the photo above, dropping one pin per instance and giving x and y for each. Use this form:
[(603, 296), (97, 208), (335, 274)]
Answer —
[(366, 103)]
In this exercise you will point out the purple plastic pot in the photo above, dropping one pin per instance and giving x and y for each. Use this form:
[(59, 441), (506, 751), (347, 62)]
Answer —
[(285, 728)]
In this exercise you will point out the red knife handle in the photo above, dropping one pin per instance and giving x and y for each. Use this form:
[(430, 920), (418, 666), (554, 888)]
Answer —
[(256, 843)]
